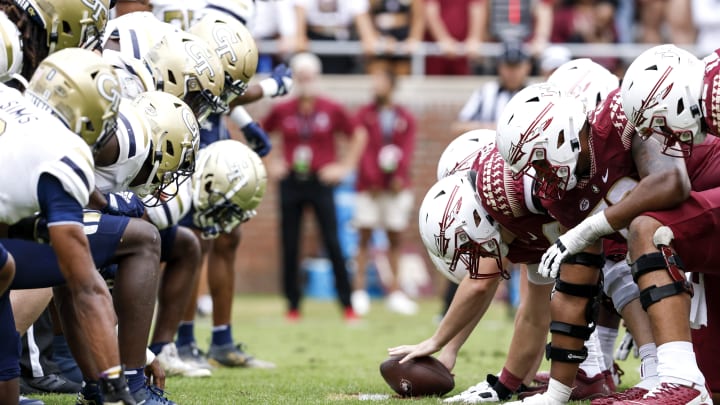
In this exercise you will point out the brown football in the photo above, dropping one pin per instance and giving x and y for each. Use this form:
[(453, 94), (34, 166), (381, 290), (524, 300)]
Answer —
[(419, 377)]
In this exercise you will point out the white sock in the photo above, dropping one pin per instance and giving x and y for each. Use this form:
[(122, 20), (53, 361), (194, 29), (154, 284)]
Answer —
[(648, 366), (595, 363), (677, 364), (607, 336), (558, 391)]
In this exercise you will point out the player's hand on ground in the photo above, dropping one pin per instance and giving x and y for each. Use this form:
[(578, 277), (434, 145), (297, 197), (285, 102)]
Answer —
[(424, 348), (155, 374)]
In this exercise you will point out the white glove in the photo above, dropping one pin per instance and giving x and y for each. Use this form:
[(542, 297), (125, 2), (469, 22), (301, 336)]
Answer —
[(574, 241)]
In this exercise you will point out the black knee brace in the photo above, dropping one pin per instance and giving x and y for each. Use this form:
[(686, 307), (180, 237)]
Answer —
[(590, 291), (667, 260), (565, 355), (586, 259)]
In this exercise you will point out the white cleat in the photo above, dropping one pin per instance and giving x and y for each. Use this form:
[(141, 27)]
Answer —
[(174, 365), (398, 302), (538, 399), (473, 392)]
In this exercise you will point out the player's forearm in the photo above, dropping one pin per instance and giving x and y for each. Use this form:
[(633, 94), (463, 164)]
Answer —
[(471, 301), (253, 93)]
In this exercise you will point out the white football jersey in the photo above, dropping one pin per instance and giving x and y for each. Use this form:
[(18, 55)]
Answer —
[(133, 135), (33, 142), (136, 34), (169, 213)]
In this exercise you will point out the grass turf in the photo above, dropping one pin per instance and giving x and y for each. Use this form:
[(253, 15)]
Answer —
[(322, 360)]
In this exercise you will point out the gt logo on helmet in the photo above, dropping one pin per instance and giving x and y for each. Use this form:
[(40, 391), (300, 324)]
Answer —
[(200, 58), (108, 87), (190, 122), (224, 38), (99, 10)]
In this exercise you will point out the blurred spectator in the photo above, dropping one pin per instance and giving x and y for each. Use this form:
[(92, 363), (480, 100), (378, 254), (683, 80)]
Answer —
[(657, 15), (552, 58), (384, 200), (706, 18), (452, 24), (485, 104), (333, 20), (274, 19), (399, 26), (308, 171), (590, 22), (526, 20)]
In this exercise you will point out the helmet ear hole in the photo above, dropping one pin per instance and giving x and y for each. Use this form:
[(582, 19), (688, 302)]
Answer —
[(169, 149), (171, 77), (680, 106), (66, 28), (477, 218), (652, 67), (561, 139), (89, 126)]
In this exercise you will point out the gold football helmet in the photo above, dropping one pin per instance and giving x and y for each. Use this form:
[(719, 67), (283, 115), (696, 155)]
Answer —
[(228, 185), (175, 135), (235, 47), (81, 89), (185, 66), (12, 59), (69, 23)]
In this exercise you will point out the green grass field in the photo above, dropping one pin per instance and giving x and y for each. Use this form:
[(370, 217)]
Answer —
[(321, 360)]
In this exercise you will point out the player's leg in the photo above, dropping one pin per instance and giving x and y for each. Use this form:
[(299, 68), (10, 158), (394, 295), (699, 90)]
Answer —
[(666, 299), (181, 253), (221, 281), (134, 295), (9, 353), (705, 338), (28, 305), (7, 271)]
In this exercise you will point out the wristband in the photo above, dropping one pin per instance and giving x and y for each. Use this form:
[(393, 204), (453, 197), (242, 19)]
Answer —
[(240, 117), (269, 87)]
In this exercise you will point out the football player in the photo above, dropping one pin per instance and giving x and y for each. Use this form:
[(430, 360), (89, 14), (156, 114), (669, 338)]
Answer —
[(584, 166), (227, 186), (85, 98), (669, 94)]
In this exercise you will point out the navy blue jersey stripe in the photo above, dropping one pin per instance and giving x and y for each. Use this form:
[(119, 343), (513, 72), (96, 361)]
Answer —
[(77, 171), (135, 46), (131, 134), (168, 214)]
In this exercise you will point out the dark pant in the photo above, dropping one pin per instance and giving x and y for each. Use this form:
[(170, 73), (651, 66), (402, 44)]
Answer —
[(295, 194)]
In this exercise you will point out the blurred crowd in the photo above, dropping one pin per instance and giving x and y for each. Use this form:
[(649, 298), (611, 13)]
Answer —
[(390, 30)]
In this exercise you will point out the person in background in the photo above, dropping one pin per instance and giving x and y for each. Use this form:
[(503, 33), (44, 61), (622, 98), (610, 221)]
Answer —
[(452, 24), (308, 170), (384, 200), (335, 20), (274, 20), (552, 58), (486, 104), (399, 26)]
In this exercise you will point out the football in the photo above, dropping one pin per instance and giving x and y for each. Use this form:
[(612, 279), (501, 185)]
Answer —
[(419, 377)]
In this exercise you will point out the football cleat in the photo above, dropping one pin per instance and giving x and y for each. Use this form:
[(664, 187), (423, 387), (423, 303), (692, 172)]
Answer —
[(192, 355), (89, 394), (630, 394), (230, 355), (480, 392), (151, 395), (673, 394), (172, 363), (584, 387), (538, 399), (29, 401)]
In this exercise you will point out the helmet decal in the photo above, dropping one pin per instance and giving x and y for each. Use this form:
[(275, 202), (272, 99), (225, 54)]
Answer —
[(653, 99), (452, 208), (534, 130)]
